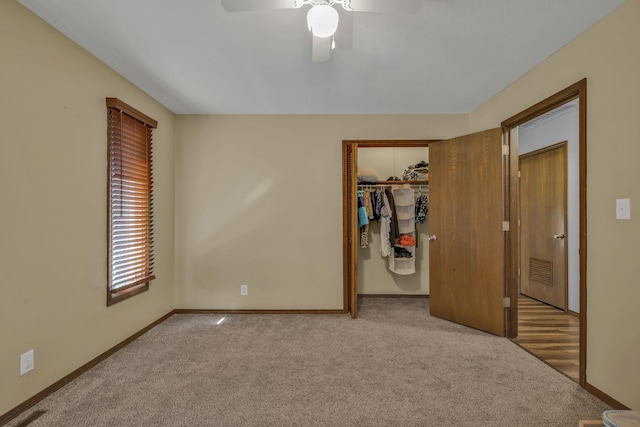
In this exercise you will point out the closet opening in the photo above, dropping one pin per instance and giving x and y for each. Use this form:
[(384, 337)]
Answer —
[(385, 255)]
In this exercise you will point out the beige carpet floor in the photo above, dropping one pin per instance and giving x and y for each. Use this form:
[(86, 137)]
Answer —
[(393, 366)]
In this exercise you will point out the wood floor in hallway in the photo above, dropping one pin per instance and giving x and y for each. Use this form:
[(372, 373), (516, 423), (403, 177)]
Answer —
[(550, 334)]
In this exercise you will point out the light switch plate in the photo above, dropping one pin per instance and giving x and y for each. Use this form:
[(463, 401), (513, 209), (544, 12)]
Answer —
[(623, 208)]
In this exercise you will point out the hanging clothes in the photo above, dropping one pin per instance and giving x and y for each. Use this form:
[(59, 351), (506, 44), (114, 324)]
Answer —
[(376, 203), (385, 209), (385, 226), (367, 204), (422, 207), (364, 237), (395, 232), (385, 241), (363, 218)]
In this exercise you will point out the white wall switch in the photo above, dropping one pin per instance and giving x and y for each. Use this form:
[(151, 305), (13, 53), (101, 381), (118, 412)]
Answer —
[(244, 289), (26, 362), (623, 208)]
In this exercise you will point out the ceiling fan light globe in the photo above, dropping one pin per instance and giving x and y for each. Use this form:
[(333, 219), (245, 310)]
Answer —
[(322, 20)]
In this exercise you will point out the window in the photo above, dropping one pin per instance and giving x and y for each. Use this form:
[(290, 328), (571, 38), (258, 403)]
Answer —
[(130, 201)]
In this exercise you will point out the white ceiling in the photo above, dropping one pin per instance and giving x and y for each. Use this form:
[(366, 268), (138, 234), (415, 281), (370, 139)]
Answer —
[(195, 58)]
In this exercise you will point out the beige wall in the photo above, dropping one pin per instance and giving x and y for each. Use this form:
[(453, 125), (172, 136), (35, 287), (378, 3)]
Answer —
[(53, 181), (258, 202), (609, 57)]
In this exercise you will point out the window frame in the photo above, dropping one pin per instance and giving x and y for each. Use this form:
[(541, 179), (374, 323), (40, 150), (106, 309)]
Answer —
[(120, 118)]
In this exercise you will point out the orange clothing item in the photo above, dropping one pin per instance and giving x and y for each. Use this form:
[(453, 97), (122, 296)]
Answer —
[(406, 240)]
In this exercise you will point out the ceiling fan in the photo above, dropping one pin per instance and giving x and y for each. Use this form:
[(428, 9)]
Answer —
[(322, 18)]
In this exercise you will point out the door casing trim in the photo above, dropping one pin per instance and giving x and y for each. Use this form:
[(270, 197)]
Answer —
[(349, 279), (575, 91)]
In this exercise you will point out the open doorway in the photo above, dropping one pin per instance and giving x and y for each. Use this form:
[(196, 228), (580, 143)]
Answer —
[(376, 274), (552, 327), (549, 300), (351, 236)]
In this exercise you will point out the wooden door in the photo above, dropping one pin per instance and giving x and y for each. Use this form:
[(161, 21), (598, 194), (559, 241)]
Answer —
[(543, 216), (465, 217)]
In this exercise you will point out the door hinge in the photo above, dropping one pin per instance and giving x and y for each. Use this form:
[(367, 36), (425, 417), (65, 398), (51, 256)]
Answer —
[(519, 271), (505, 225), (505, 150), (519, 174), (506, 302)]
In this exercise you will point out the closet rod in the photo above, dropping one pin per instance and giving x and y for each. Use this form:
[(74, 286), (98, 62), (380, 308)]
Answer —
[(391, 184), (396, 183)]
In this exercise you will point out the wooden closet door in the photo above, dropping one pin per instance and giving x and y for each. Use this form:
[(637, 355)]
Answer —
[(466, 258)]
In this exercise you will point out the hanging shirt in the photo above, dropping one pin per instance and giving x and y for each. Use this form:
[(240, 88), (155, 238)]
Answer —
[(363, 219), (395, 232), (376, 203), (367, 204), (385, 242), (385, 226), (422, 207), (364, 237)]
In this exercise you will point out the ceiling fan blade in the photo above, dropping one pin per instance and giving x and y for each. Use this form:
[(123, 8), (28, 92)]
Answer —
[(320, 49), (344, 35), (387, 6), (248, 5)]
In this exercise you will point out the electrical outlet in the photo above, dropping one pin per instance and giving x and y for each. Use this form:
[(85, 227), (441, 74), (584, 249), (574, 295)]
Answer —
[(244, 290), (623, 208), (26, 362)]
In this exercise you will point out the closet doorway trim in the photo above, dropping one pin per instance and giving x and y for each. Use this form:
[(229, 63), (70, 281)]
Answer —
[(349, 227)]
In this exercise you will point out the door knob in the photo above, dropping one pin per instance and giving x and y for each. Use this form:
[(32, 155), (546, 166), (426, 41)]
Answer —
[(558, 236), (432, 237)]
